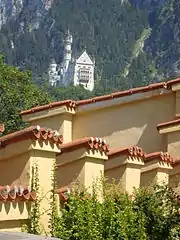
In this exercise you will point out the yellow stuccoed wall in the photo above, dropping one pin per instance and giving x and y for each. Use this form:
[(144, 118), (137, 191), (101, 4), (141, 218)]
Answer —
[(52, 122), (11, 226), (173, 143), (13, 215), (45, 162), (116, 174), (174, 178), (148, 178), (94, 168), (177, 104), (17, 160), (122, 125), (58, 118), (133, 175), (129, 124), (61, 123), (154, 176), (17, 170), (125, 169), (70, 172), (82, 165)]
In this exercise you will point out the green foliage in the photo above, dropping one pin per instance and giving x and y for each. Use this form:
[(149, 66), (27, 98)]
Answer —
[(164, 41), (71, 92), (53, 202), (17, 92), (112, 31), (89, 219), (33, 225), (161, 208), (134, 43), (152, 214)]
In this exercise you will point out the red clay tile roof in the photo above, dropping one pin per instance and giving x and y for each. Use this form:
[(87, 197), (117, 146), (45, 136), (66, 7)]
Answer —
[(73, 104), (168, 124), (172, 82), (15, 193), (33, 132), (176, 162), (122, 93), (62, 192), (87, 142), (162, 156), (1, 127), (69, 103), (131, 151)]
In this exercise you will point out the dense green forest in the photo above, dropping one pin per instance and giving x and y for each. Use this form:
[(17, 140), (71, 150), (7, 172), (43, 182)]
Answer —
[(134, 42), (17, 92)]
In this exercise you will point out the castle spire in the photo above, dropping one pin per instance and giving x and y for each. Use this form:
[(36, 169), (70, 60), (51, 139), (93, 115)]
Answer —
[(67, 49)]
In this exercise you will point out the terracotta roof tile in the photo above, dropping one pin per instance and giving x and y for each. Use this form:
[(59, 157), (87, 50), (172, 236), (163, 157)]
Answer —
[(15, 193), (88, 142), (33, 132), (73, 104), (162, 156), (69, 103), (172, 82), (63, 193), (1, 128), (131, 151), (176, 162), (122, 93), (168, 124)]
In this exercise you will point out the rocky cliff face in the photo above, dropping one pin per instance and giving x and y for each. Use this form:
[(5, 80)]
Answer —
[(11, 9), (148, 4)]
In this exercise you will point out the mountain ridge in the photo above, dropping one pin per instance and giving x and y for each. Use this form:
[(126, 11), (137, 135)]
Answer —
[(126, 38)]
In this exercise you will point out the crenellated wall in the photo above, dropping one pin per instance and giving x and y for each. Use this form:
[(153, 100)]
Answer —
[(20, 152), (146, 117)]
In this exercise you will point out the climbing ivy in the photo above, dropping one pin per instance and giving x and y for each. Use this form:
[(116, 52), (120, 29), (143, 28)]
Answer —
[(33, 225), (53, 202)]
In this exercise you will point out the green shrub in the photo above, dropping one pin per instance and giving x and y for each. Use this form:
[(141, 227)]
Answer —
[(87, 218), (153, 213)]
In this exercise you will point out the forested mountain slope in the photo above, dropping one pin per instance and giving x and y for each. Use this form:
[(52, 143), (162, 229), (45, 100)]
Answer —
[(134, 42)]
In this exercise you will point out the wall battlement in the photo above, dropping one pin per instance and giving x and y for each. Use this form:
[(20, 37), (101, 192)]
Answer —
[(136, 140)]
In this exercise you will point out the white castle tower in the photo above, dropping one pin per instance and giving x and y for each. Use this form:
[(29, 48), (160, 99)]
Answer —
[(65, 65), (79, 71), (67, 50), (84, 71), (54, 77)]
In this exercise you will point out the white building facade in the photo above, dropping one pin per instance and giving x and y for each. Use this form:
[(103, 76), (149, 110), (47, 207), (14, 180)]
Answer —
[(54, 76), (79, 71)]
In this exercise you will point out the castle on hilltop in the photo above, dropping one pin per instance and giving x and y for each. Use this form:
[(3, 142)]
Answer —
[(76, 71)]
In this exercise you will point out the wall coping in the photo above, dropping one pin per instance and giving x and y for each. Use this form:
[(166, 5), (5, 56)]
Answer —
[(34, 133), (134, 94), (169, 126)]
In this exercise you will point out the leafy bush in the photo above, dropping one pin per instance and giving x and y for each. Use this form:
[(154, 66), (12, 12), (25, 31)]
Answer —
[(161, 209), (153, 213)]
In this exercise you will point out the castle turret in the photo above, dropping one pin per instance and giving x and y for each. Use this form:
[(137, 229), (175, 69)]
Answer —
[(53, 73), (67, 49), (53, 66), (78, 71)]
